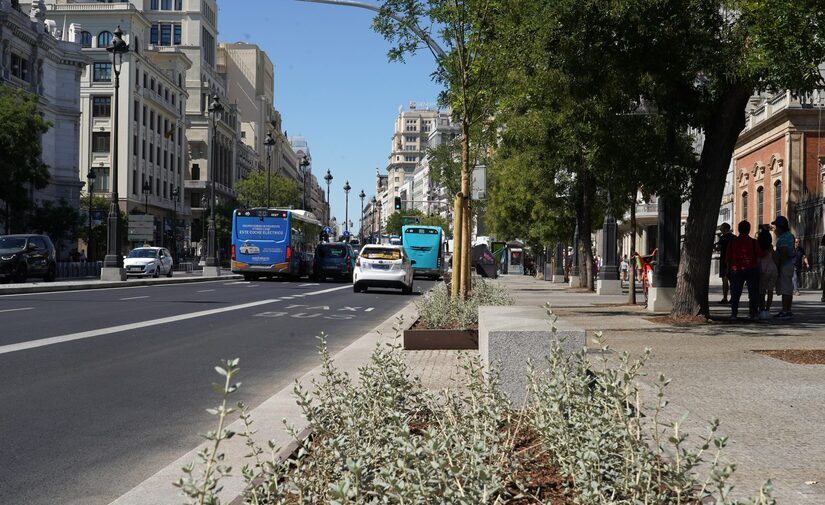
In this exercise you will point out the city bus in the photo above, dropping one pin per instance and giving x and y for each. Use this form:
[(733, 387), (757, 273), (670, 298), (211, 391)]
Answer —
[(273, 242), (425, 245)]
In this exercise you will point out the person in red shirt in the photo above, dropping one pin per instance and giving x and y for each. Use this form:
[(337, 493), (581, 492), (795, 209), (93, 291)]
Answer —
[(743, 267)]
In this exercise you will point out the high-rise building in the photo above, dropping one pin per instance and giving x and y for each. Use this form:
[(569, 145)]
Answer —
[(49, 66), (315, 195)]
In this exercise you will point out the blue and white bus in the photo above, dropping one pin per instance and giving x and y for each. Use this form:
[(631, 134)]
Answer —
[(425, 245), (273, 242)]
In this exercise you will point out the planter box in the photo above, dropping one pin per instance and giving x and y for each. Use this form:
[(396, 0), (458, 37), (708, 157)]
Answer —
[(418, 340)]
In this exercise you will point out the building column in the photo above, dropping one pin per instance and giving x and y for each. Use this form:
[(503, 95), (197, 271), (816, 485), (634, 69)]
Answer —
[(667, 255), (608, 282)]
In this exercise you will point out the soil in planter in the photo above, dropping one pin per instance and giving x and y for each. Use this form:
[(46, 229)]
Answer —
[(420, 325), (797, 356)]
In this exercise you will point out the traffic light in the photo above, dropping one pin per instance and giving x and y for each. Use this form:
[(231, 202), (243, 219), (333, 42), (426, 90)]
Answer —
[(397, 203)]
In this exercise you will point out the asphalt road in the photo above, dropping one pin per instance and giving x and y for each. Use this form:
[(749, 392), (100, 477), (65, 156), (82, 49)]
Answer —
[(102, 388)]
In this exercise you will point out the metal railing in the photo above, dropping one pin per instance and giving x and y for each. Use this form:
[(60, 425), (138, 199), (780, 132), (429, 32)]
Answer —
[(78, 269)]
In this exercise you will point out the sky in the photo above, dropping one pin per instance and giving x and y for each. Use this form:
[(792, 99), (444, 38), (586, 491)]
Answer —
[(333, 85)]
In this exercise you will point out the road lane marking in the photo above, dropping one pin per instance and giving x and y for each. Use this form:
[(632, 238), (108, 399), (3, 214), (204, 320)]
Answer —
[(252, 286), (134, 298), (42, 342), (31, 344), (95, 290), (206, 290), (308, 284), (369, 309), (15, 310)]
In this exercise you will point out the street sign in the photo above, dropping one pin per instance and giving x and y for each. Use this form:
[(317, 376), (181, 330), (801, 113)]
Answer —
[(346, 233), (327, 230), (141, 228)]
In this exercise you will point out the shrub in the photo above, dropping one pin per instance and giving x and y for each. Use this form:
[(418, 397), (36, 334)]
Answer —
[(437, 309), (385, 439)]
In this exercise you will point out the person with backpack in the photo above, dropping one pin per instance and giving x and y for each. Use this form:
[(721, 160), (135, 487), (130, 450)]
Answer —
[(767, 272), (743, 267)]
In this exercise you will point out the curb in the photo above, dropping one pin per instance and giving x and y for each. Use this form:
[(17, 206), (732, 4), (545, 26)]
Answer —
[(158, 489), (80, 286)]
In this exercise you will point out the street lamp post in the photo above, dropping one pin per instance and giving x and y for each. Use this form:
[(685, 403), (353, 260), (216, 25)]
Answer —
[(175, 195), (204, 203), (269, 142), (374, 205), (146, 189), (113, 262), (361, 195), (328, 178), (304, 163), (91, 176), (379, 221), (346, 206), (211, 268)]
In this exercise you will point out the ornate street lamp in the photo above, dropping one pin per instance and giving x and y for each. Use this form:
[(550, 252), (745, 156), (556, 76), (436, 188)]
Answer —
[(372, 218), (361, 195), (346, 205), (269, 142), (328, 178), (304, 163), (211, 268), (175, 195), (113, 262), (91, 176), (204, 203)]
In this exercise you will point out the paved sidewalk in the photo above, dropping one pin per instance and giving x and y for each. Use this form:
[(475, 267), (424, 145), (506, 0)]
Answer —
[(773, 411)]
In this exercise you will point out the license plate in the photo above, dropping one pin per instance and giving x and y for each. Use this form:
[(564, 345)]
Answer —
[(381, 267)]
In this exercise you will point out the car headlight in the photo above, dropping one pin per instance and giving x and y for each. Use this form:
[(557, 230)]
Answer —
[(7, 258)]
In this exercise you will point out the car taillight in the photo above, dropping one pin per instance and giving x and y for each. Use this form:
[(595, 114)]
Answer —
[(233, 251), (288, 252), (358, 261)]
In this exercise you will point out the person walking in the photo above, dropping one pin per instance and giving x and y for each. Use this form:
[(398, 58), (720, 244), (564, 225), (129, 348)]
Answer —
[(784, 255), (623, 268), (767, 273), (743, 268), (799, 261), (722, 247)]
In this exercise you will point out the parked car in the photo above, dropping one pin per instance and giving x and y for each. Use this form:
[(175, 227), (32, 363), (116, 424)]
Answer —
[(24, 256), (333, 259), (383, 266), (149, 261)]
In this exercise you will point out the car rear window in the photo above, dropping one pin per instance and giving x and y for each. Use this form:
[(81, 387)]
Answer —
[(332, 251), (381, 254)]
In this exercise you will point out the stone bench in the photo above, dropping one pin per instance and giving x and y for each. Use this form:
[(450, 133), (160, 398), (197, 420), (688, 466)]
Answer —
[(509, 336)]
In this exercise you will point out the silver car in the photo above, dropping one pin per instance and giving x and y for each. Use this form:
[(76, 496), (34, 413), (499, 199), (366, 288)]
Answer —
[(383, 266), (149, 262)]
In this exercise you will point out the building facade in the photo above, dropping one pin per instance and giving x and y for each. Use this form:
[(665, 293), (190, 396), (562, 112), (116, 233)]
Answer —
[(314, 194), (39, 57)]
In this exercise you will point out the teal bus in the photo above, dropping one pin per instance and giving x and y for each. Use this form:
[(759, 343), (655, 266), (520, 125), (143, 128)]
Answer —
[(273, 242), (425, 245)]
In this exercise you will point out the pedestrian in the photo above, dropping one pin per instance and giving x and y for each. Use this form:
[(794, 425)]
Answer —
[(743, 268), (722, 247), (767, 273), (784, 262), (624, 266), (799, 261)]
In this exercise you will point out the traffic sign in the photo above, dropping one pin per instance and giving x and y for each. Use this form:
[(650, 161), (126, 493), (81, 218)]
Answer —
[(346, 233), (327, 230)]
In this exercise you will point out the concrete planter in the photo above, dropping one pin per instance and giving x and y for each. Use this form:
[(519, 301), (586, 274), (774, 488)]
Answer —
[(418, 340)]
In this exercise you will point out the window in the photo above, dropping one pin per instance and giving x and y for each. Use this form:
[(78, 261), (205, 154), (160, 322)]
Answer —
[(152, 120), (102, 72), (154, 35), (19, 67), (135, 145), (777, 198), (151, 179), (744, 206), (411, 139), (101, 179), (153, 5), (134, 182), (208, 46), (166, 34), (165, 193), (176, 38), (85, 39), (143, 149), (157, 187), (166, 5), (409, 158), (137, 111), (151, 153), (196, 173), (178, 5), (152, 84), (137, 78), (104, 39), (760, 206), (100, 142), (101, 106)]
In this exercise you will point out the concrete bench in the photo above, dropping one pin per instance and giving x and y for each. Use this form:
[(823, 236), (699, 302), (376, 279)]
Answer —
[(509, 336)]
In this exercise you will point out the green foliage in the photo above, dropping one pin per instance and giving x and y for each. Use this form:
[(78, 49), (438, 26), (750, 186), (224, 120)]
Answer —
[(59, 221), (437, 220), (284, 192), (20, 130), (396, 220), (445, 167), (438, 310)]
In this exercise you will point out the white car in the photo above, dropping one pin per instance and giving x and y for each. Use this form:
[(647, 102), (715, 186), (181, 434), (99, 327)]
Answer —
[(149, 261), (383, 266)]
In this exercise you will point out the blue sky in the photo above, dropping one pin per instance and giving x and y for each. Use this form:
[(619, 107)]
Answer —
[(333, 84)]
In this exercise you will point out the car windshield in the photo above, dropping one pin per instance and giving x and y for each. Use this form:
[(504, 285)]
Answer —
[(332, 251), (12, 243), (143, 253), (375, 253)]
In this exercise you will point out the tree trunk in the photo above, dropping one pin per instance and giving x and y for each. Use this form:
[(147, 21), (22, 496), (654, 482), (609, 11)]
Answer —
[(458, 259), (466, 287), (467, 276), (586, 229), (631, 259), (721, 132)]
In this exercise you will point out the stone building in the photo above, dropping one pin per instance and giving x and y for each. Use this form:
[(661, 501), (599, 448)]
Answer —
[(45, 59)]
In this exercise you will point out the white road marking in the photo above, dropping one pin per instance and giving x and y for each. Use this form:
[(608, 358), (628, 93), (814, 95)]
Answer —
[(369, 309), (286, 298), (236, 282), (31, 344), (134, 298), (252, 286), (206, 290), (87, 290), (15, 310), (308, 284)]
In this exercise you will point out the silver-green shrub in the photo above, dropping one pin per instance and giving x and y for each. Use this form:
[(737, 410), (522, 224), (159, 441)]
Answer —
[(437, 309)]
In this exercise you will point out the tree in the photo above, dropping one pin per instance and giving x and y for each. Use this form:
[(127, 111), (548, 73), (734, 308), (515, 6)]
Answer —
[(100, 205), (20, 166), (60, 222), (284, 192), (466, 69), (396, 220), (437, 220)]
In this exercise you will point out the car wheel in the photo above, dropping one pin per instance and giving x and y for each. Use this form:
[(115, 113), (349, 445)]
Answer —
[(156, 273), (20, 273), (51, 274), (170, 272), (407, 290)]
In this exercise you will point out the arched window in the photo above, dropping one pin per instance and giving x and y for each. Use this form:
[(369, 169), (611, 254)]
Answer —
[(744, 206), (777, 198), (104, 39), (760, 206), (85, 39)]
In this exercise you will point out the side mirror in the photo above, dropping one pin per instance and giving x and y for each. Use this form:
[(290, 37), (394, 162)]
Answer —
[(412, 262)]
